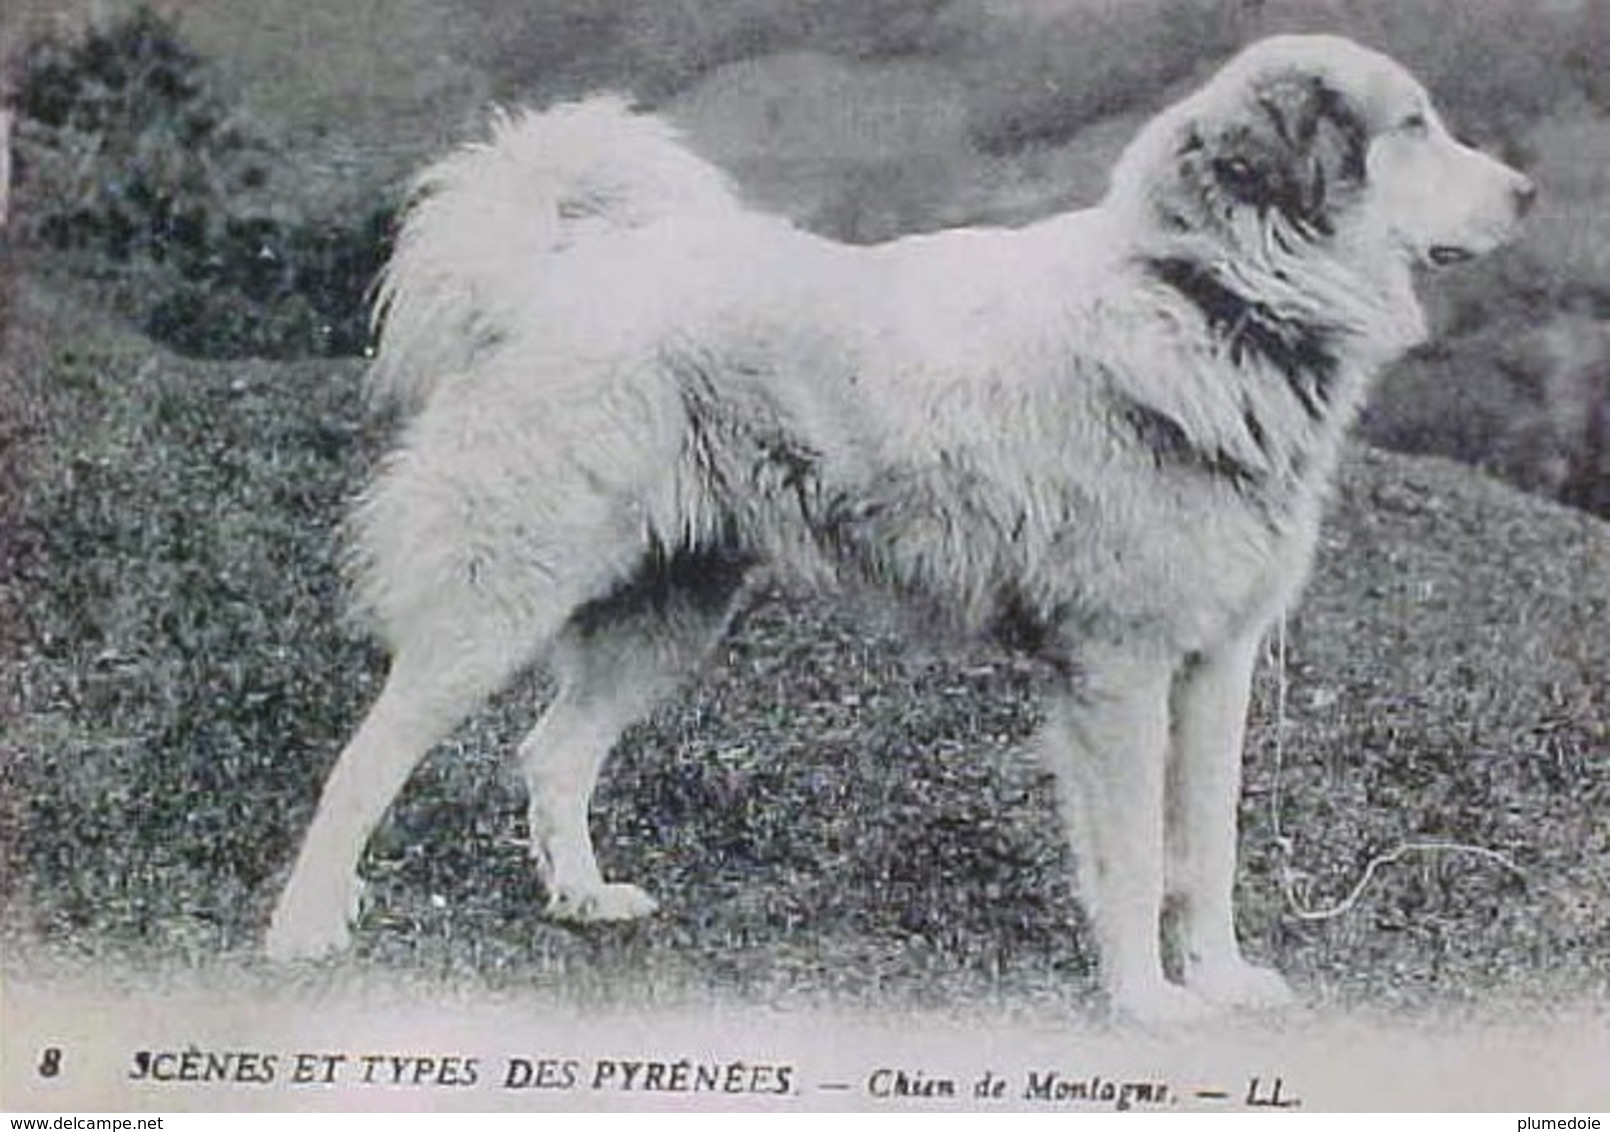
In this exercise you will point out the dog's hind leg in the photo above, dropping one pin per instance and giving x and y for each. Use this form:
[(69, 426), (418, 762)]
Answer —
[(612, 670), (560, 760), (423, 699)]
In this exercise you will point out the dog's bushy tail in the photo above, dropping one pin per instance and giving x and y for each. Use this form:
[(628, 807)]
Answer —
[(483, 223)]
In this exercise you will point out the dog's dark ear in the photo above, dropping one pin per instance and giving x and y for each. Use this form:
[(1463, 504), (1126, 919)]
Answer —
[(1300, 148)]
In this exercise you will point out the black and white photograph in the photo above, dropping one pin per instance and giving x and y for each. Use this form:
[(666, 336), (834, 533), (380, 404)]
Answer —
[(785, 555)]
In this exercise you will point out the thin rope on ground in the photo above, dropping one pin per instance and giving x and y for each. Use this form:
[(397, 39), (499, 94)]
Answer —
[(1293, 883)]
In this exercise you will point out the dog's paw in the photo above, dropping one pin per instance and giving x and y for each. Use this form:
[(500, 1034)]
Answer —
[(1159, 1006), (604, 904), (1241, 985), (307, 926), (304, 936)]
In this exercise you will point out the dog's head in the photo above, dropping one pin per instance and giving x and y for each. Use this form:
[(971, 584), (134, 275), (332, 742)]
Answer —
[(1313, 140)]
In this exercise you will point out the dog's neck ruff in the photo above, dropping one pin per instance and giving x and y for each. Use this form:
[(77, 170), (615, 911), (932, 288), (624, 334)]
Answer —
[(1306, 354)]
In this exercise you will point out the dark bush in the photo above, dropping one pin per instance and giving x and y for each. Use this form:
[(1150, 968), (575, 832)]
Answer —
[(136, 69), (131, 159)]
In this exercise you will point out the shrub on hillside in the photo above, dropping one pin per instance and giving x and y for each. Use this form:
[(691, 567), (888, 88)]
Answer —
[(137, 169)]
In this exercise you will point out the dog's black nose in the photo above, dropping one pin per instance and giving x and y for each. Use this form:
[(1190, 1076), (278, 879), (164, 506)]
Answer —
[(1525, 196)]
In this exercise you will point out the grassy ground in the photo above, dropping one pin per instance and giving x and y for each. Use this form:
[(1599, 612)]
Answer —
[(831, 816)]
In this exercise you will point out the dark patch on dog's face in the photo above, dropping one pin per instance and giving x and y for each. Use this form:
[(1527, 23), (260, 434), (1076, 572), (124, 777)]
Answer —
[(1302, 353), (1297, 148)]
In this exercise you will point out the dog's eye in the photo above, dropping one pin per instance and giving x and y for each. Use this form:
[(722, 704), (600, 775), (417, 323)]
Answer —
[(1414, 124), (1235, 173)]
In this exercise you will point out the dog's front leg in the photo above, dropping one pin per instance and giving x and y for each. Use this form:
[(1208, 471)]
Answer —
[(1106, 741), (1209, 709)]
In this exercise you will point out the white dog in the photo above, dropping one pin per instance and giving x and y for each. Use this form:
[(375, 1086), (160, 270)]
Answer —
[(1104, 438)]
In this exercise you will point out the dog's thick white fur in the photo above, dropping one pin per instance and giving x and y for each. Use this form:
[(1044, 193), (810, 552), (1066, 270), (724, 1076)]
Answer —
[(1104, 438)]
